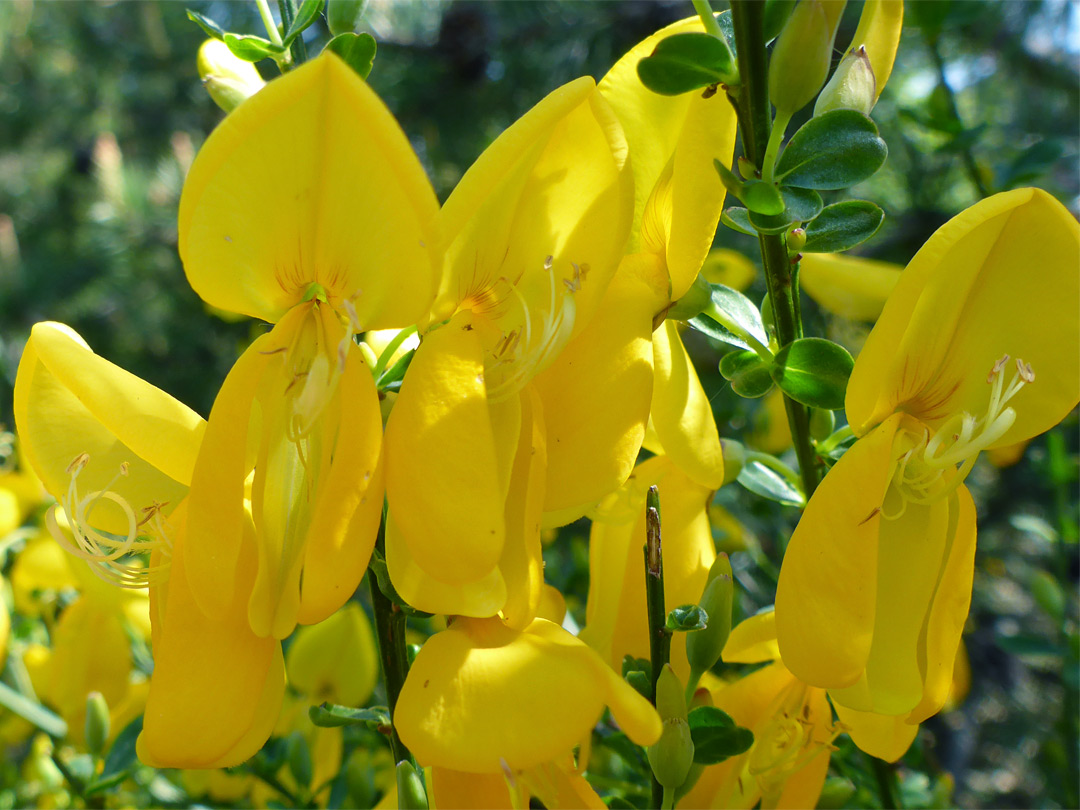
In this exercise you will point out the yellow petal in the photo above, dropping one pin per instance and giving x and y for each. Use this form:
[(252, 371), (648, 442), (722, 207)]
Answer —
[(848, 286), (879, 32), (677, 134), (616, 623), (457, 790), (69, 401), (216, 503), (879, 735), (335, 660), (752, 640), (480, 694), (442, 476), (350, 208), (41, 567), (730, 268), (968, 298), (596, 398), (556, 184), (419, 586), (558, 787), (827, 593), (346, 519), (803, 787), (522, 562), (216, 670), (681, 412)]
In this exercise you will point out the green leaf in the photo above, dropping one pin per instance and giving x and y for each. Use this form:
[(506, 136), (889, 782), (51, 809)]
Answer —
[(800, 204), (748, 374), (686, 619), (768, 483), (738, 219), (358, 51), (251, 48), (740, 310), (832, 151), (641, 682), (842, 226), (628, 750), (685, 62), (396, 372), (121, 757), (330, 715), (31, 712), (103, 783), (716, 737), (211, 28), (708, 326), (631, 664), (776, 14), (813, 371), (305, 16), (762, 198)]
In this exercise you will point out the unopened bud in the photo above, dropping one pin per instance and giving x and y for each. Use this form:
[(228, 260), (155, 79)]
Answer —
[(693, 303), (852, 86), (673, 754), (343, 16), (768, 320), (796, 240), (801, 57), (702, 697), (227, 78), (670, 701), (96, 727), (703, 646), (410, 787), (822, 423)]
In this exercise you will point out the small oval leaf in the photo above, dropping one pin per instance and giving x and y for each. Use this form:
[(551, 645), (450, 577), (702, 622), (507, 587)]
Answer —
[(832, 151), (685, 62), (740, 310), (358, 51), (754, 384), (843, 225), (707, 326), (800, 204), (686, 619), (331, 715), (716, 737), (738, 219), (762, 198), (813, 371), (211, 28), (252, 48), (768, 483), (305, 16)]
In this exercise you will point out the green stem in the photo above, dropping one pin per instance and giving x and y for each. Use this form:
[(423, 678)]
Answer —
[(390, 632), (773, 147), (268, 21), (754, 110), (718, 315), (298, 49), (76, 783), (708, 18), (667, 802), (659, 637), (970, 164), (888, 790)]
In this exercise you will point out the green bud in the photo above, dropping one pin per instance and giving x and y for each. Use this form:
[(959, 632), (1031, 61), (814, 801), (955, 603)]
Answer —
[(410, 787), (702, 697), (670, 701), (693, 303), (227, 78), (801, 57), (343, 16), (703, 647), (767, 318), (299, 759), (836, 792), (822, 423), (852, 86), (1048, 594), (673, 754), (734, 459), (796, 240), (96, 727)]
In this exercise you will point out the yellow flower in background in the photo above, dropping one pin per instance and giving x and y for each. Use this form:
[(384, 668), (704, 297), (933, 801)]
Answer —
[(481, 697), (335, 660), (978, 347), (134, 448), (848, 286), (673, 141), (306, 208), (616, 623), (532, 396), (557, 785)]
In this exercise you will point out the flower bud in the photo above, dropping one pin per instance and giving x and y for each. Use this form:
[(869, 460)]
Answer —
[(670, 700), (693, 303), (703, 646), (822, 423), (796, 240), (343, 16), (673, 754), (227, 78), (801, 57), (96, 727), (852, 86), (410, 787)]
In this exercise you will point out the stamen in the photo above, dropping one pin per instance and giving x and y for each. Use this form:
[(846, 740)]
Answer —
[(104, 552)]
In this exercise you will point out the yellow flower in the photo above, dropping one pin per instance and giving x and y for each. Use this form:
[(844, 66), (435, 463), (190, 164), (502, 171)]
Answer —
[(615, 618), (673, 141), (335, 660), (557, 785), (876, 581), (306, 208), (118, 454), (848, 286), (481, 696), (531, 397)]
